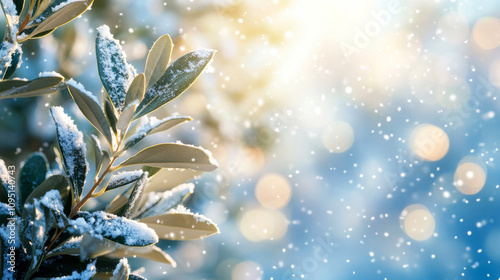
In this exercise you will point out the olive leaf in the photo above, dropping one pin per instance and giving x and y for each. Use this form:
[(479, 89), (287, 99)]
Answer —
[(172, 155), (15, 62), (49, 17), (73, 150), (158, 59), (118, 229), (167, 179), (121, 271), (135, 197), (152, 252), (154, 126), (32, 174), (136, 90), (124, 178), (181, 224), (178, 77), (36, 87), (116, 74), (88, 105), (159, 203)]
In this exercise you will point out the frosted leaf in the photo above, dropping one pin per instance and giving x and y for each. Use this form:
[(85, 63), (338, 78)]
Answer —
[(123, 178), (153, 125), (116, 74), (122, 270), (158, 203), (181, 209), (119, 229), (136, 196), (73, 149), (87, 274)]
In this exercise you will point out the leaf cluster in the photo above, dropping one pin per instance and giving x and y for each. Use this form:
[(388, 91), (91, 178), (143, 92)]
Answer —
[(57, 238)]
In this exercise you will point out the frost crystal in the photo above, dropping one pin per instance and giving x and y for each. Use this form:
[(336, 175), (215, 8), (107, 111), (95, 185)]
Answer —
[(198, 217)]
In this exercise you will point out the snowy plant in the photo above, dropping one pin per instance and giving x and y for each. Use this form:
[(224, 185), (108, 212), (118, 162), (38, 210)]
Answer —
[(55, 238)]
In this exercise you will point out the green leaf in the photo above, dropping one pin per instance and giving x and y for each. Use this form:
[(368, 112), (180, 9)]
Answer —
[(101, 156), (152, 127), (121, 271), (181, 225), (178, 77), (135, 277), (73, 150), (158, 59), (136, 90), (32, 174), (125, 117), (136, 196), (172, 155), (36, 87), (110, 111), (152, 253), (159, 203), (55, 182), (90, 108), (116, 74), (55, 15), (114, 228), (92, 247)]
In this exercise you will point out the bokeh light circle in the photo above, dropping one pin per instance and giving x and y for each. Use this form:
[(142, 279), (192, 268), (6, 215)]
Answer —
[(486, 33), (469, 177), (263, 224), (417, 222), (273, 191), (429, 142), (338, 137), (247, 270)]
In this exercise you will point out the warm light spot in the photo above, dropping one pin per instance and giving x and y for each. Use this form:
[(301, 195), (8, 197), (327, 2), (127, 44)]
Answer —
[(247, 271), (273, 191), (486, 33), (263, 224), (417, 222), (338, 137), (429, 142), (469, 177)]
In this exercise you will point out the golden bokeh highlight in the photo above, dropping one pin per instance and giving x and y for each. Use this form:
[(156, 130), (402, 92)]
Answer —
[(486, 33), (417, 222), (469, 177), (273, 191), (429, 142), (338, 137), (263, 224), (247, 270)]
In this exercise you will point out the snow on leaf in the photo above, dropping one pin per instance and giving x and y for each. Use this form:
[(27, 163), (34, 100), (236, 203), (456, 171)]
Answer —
[(153, 125), (119, 229), (178, 77), (87, 274), (181, 224), (136, 196), (158, 203), (10, 10), (121, 271), (73, 149), (123, 178), (116, 74)]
